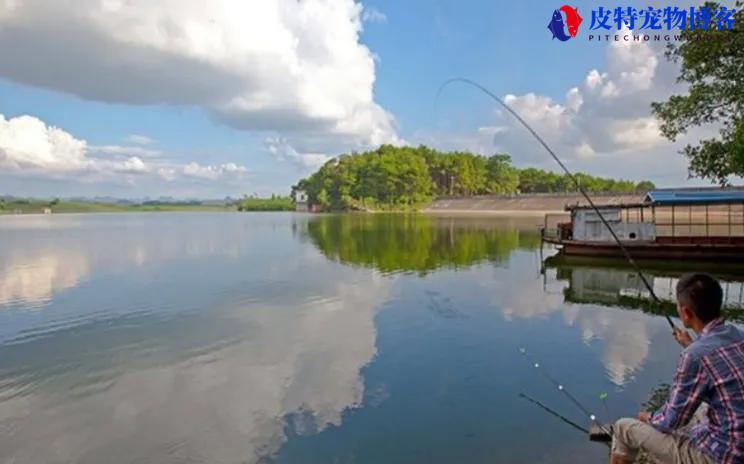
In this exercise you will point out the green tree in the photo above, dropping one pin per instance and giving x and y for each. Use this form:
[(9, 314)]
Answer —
[(273, 203), (501, 176), (323, 200), (403, 178), (532, 180), (645, 186), (712, 63)]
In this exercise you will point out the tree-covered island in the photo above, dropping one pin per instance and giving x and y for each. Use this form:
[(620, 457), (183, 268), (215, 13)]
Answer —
[(406, 178)]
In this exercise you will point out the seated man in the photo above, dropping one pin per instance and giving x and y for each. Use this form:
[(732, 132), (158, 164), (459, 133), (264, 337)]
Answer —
[(711, 371)]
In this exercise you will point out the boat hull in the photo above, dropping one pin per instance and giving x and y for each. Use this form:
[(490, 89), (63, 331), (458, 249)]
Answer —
[(676, 248)]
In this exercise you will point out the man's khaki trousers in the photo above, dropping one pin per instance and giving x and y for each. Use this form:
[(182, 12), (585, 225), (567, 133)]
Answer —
[(631, 435)]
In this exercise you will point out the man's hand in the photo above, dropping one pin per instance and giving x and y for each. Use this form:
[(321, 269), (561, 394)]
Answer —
[(644, 416), (682, 337)]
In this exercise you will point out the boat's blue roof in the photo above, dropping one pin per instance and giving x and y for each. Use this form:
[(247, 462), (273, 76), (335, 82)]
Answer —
[(687, 197)]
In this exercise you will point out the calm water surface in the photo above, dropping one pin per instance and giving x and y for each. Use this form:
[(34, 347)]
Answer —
[(283, 338)]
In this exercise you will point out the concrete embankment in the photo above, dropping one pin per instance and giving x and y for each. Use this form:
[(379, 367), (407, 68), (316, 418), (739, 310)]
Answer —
[(537, 204)]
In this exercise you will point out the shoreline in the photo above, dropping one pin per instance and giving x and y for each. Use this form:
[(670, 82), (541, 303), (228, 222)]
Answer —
[(488, 212)]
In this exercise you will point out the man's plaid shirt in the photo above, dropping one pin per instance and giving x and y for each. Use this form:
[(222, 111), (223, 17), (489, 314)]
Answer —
[(710, 370)]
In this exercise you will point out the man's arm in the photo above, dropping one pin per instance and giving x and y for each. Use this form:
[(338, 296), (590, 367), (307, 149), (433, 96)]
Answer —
[(686, 394)]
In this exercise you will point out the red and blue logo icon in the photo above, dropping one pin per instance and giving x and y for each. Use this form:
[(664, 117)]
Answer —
[(565, 23)]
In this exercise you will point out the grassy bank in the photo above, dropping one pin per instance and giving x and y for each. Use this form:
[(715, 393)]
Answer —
[(273, 203), (64, 206)]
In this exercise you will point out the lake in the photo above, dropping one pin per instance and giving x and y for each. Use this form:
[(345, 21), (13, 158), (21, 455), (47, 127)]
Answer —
[(290, 338)]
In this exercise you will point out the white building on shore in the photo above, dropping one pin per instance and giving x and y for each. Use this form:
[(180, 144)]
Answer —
[(301, 203)]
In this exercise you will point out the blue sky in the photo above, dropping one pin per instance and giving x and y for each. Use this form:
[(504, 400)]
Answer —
[(169, 98)]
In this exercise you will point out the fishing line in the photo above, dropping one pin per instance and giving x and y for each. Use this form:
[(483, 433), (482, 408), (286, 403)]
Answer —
[(570, 175), (563, 390)]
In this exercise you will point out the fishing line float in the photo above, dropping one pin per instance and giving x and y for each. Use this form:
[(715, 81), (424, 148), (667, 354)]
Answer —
[(564, 390), (570, 175)]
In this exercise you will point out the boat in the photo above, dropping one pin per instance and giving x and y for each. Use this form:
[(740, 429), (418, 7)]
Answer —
[(691, 225)]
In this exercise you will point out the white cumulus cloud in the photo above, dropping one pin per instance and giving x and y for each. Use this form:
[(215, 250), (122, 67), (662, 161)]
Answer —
[(373, 15), (28, 146), (212, 172), (133, 165), (282, 150), (124, 151), (638, 133), (602, 125), (28, 143), (139, 139), (279, 65)]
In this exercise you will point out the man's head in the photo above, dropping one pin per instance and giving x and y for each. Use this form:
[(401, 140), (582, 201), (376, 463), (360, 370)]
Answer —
[(699, 297)]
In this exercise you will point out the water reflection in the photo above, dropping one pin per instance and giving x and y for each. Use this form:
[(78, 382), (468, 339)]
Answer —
[(293, 338), (393, 243), (42, 255), (422, 244), (417, 243), (33, 278), (221, 377), (610, 284), (624, 335)]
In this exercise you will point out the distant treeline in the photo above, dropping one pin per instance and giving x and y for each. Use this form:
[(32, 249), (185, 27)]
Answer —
[(407, 177), (38, 206), (273, 203)]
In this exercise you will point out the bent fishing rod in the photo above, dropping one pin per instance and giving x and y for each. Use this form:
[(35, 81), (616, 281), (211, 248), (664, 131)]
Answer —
[(571, 176), (554, 413)]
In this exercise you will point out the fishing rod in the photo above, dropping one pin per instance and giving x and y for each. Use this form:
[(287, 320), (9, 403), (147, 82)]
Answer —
[(570, 175), (553, 413), (596, 435), (565, 391)]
